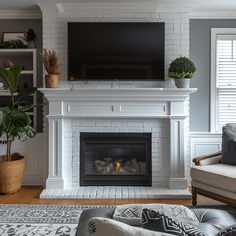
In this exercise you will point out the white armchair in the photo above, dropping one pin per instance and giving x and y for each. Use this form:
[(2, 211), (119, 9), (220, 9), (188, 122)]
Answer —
[(214, 175)]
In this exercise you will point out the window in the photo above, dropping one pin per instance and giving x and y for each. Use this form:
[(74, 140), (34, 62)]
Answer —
[(223, 77)]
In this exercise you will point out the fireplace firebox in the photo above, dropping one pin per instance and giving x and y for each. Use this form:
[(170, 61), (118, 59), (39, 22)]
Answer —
[(122, 159)]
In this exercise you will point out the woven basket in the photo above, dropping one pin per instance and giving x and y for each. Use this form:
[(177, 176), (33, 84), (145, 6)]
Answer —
[(11, 174)]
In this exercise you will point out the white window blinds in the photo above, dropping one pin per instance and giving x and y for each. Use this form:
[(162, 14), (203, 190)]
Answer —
[(226, 79)]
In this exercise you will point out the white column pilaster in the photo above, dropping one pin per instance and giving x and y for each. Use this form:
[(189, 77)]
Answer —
[(55, 154), (177, 178)]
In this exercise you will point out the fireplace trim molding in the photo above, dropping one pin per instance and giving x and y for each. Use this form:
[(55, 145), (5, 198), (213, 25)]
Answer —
[(68, 103)]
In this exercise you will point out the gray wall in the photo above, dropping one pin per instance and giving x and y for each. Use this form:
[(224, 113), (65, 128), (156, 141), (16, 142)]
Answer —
[(200, 36), (199, 53), (18, 25)]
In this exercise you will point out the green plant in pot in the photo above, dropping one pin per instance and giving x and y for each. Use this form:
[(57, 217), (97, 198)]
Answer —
[(182, 70), (14, 123)]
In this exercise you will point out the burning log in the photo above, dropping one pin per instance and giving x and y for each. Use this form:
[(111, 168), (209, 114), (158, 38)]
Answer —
[(108, 166)]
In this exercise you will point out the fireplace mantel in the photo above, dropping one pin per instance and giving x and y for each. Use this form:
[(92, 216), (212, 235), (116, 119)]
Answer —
[(121, 94), (138, 103), (125, 102)]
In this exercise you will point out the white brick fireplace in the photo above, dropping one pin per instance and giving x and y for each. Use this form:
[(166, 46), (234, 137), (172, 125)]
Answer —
[(158, 111), (127, 106)]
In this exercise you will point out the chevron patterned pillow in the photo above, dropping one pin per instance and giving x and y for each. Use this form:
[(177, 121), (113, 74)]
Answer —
[(156, 221), (130, 214)]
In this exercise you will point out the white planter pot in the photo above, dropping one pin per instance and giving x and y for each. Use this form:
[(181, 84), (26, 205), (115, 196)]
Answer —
[(182, 83)]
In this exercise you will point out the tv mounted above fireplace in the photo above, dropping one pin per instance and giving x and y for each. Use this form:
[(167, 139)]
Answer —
[(116, 51)]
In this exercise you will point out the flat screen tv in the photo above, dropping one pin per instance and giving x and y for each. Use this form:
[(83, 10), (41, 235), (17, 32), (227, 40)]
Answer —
[(116, 51)]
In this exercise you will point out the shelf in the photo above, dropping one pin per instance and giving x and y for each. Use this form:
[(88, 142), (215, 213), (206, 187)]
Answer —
[(27, 57), (18, 50), (27, 72), (4, 92)]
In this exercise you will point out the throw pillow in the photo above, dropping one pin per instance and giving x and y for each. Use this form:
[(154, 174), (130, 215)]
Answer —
[(231, 126), (228, 146), (156, 221), (130, 214), (179, 212), (102, 226)]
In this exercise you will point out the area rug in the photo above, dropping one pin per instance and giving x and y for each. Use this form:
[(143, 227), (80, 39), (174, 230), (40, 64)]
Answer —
[(40, 220)]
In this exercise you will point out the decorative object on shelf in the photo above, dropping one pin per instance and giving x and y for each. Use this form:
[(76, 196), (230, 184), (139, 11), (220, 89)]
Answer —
[(12, 44), (8, 64), (14, 123), (9, 36), (51, 65), (181, 69), (29, 38)]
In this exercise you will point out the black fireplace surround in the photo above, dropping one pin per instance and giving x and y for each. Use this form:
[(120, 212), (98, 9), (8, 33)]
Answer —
[(121, 159)]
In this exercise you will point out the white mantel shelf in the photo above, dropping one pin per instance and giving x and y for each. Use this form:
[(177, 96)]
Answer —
[(109, 103), (121, 94), (117, 102)]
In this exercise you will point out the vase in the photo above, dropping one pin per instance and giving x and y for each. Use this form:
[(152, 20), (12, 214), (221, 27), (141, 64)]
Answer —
[(51, 80), (182, 83)]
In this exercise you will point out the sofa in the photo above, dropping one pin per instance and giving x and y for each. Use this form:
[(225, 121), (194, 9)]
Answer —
[(154, 220), (214, 175)]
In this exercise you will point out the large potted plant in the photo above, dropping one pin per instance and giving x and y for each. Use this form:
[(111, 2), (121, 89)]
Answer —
[(14, 123), (51, 65), (181, 69)]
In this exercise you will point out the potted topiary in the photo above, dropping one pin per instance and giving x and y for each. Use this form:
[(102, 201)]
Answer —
[(14, 123), (51, 65), (181, 69)]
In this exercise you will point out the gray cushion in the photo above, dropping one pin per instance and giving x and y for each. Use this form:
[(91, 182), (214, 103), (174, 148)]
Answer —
[(228, 146), (229, 231)]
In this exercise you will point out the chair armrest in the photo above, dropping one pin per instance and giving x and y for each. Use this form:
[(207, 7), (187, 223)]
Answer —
[(86, 215), (210, 159)]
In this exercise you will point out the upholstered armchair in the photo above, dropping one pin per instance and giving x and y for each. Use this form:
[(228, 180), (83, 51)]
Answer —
[(214, 175)]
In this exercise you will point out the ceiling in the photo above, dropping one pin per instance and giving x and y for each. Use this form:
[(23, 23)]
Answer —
[(196, 5)]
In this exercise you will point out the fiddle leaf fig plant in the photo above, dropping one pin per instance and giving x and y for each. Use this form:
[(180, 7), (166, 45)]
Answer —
[(14, 121)]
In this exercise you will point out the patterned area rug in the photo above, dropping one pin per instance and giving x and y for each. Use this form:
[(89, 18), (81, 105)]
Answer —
[(40, 220)]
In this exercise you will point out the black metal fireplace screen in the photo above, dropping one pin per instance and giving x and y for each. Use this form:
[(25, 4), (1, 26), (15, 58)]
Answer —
[(122, 159)]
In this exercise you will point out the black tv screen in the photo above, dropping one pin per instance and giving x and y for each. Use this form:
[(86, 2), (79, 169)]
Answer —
[(116, 51)]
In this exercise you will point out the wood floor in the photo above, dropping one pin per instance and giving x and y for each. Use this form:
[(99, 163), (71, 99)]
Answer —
[(30, 195)]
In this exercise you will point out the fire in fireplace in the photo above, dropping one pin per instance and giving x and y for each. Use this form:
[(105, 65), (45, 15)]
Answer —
[(115, 159)]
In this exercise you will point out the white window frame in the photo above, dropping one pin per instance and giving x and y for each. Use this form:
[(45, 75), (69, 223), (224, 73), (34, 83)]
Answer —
[(213, 96)]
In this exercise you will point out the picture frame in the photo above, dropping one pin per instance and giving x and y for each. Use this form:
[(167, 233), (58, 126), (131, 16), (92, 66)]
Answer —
[(6, 36)]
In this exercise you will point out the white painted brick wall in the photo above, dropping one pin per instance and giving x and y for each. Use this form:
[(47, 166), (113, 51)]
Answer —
[(55, 32), (158, 128), (176, 44)]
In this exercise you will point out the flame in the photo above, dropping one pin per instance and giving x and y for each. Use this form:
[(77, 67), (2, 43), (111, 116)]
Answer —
[(117, 167)]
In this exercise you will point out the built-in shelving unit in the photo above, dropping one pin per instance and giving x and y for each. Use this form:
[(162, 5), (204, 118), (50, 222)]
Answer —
[(26, 58)]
